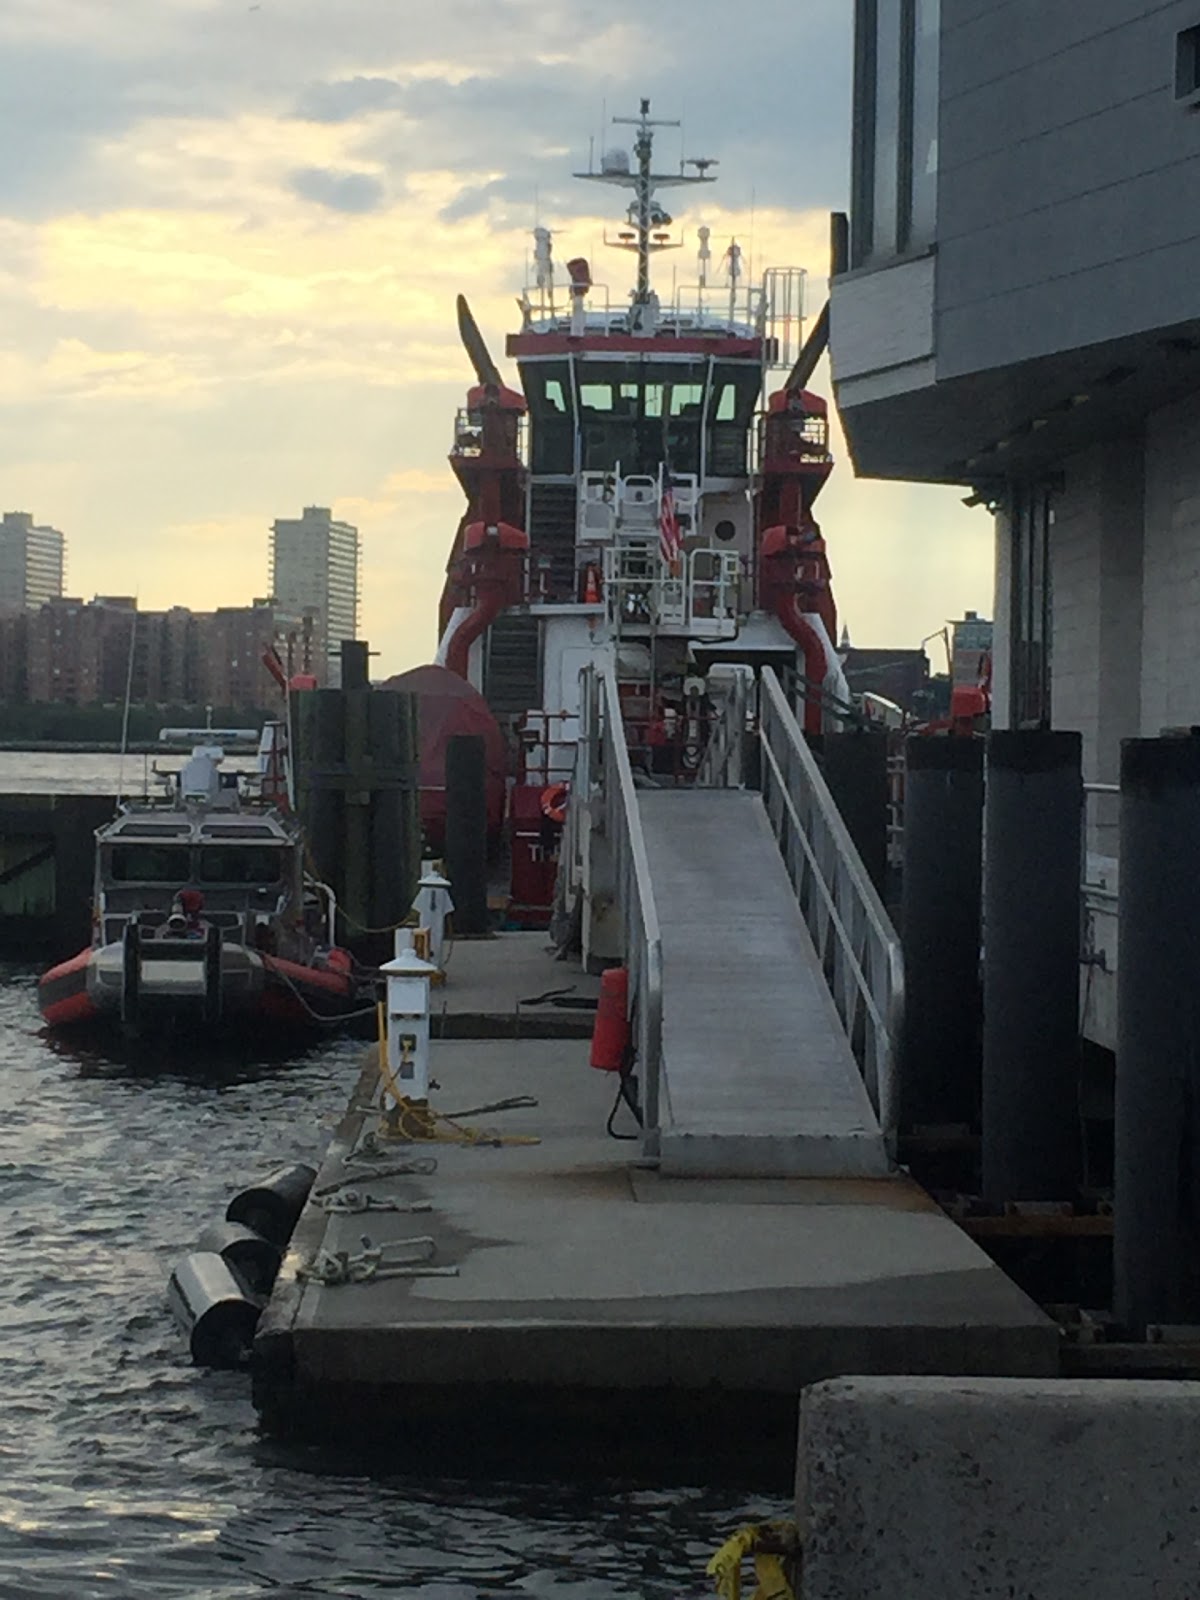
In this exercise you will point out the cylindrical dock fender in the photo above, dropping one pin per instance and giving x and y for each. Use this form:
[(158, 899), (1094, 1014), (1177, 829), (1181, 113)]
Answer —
[(273, 1206), (610, 1035), (213, 1309), (254, 1259), (1156, 1223)]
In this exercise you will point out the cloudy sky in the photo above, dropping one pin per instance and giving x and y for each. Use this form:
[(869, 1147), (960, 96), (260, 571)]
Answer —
[(231, 235)]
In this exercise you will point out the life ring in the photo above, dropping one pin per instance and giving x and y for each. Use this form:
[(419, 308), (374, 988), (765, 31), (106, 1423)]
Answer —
[(554, 802)]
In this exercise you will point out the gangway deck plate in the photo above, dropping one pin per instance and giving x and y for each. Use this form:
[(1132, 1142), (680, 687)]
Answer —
[(758, 1076)]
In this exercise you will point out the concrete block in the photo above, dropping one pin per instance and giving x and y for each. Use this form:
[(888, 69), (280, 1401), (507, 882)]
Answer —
[(999, 1489)]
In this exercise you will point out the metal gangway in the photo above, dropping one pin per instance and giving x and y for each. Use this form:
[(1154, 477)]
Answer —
[(765, 977)]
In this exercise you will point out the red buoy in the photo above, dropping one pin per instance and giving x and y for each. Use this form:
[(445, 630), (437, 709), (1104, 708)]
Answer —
[(610, 1037)]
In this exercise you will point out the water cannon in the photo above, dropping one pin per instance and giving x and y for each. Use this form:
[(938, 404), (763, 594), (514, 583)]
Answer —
[(486, 369)]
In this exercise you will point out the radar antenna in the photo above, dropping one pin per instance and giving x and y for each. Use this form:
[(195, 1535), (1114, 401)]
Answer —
[(647, 220)]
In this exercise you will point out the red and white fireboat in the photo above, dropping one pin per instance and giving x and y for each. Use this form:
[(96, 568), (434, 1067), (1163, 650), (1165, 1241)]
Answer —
[(204, 916), (639, 500)]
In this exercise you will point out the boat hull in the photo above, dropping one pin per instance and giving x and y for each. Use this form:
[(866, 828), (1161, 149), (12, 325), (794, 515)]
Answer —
[(255, 989)]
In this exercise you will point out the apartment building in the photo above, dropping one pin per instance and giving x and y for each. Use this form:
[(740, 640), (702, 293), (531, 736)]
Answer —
[(315, 565), (32, 560)]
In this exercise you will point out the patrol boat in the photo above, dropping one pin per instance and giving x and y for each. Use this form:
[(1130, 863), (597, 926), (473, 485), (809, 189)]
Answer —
[(203, 912), (642, 500)]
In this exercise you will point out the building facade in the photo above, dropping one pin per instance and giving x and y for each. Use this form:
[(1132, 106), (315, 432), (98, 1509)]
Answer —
[(315, 567), (76, 652), (1018, 312), (32, 561)]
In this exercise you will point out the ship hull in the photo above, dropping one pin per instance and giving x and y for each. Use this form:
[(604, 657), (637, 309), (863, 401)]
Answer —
[(255, 990)]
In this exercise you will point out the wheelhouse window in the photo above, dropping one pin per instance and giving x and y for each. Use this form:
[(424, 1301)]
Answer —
[(150, 863), (239, 864), (731, 405), (641, 416), (551, 416)]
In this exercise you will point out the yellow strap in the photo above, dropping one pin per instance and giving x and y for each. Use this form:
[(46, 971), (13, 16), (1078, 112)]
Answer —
[(769, 1570)]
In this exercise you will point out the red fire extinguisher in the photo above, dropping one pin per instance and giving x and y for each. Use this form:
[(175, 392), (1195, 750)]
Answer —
[(610, 1036)]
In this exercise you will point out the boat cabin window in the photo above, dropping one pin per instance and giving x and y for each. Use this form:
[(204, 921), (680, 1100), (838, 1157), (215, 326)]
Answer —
[(641, 415), (231, 863), (150, 863), (730, 411), (551, 416)]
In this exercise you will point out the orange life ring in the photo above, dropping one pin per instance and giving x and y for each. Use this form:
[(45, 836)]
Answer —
[(554, 802)]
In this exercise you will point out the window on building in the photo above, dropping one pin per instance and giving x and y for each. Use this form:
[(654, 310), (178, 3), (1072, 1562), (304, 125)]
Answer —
[(1032, 518), (1187, 65), (895, 127)]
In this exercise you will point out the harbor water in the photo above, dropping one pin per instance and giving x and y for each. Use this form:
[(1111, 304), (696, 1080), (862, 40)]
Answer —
[(127, 1472)]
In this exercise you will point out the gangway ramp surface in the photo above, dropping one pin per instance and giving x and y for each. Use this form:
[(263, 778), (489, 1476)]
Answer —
[(758, 1079)]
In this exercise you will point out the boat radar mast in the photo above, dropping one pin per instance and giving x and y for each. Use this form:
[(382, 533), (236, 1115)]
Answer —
[(648, 221)]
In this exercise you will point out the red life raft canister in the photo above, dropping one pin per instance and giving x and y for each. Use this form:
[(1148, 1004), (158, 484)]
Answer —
[(610, 1036)]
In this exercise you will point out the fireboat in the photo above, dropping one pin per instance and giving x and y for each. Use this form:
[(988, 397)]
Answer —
[(641, 501)]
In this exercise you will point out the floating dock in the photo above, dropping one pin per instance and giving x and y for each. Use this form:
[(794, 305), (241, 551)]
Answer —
[(592, 1294)]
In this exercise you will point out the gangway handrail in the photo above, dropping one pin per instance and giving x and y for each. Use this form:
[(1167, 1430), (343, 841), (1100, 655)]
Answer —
[(856, 944), (607, 776), (721, 765)]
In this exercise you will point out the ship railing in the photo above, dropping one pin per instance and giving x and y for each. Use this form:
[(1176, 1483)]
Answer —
[(604, 803), (856, 944), (611, 505), (697, 594), (547, 744), (723, 762), (692, 309), (468, 434)]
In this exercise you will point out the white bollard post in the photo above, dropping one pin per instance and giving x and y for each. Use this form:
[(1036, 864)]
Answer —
[(433, 905), (408, 979), (403, 941)]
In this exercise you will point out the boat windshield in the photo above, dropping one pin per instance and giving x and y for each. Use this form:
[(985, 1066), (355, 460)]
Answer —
[(150, 863), (229, 864), (244, 863)]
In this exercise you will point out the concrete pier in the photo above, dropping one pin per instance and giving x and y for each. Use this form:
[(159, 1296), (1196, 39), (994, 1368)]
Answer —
[(595, 1298), (921, 1487)]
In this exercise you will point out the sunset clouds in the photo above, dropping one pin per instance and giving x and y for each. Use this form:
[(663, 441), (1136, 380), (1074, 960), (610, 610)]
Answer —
[(231, 236)]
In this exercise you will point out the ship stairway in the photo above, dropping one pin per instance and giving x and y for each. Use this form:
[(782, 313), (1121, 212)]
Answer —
[(765, 977), (553, 508), (512, 667)]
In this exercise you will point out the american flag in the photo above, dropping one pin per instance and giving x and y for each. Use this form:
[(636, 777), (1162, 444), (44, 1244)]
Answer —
[(670, 541)]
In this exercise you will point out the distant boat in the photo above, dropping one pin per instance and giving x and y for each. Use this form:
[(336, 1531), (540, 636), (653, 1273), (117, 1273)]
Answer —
[(204, 915)]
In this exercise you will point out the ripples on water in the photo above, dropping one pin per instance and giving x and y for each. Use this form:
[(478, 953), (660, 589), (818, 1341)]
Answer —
[(126, 1472)]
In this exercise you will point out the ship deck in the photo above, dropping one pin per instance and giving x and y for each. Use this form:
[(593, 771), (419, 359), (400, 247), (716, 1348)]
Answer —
[(592, 1296)]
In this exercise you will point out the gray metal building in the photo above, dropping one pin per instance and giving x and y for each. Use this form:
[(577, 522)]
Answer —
[(1020, 314)]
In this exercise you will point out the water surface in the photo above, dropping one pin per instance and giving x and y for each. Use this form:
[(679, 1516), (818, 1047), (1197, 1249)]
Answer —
[(124, 1471)]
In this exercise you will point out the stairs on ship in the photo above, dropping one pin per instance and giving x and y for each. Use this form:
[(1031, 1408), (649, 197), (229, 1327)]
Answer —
[(552, 514), (512, 667)]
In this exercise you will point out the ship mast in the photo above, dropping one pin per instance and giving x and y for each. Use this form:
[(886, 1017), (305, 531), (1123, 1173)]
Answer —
[(647, 220)]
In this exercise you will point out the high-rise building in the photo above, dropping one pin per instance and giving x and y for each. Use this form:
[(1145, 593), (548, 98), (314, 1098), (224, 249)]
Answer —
[(31, 562), (315, 573)]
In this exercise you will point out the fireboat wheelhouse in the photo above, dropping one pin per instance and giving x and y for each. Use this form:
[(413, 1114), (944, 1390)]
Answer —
[(661, 517)]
